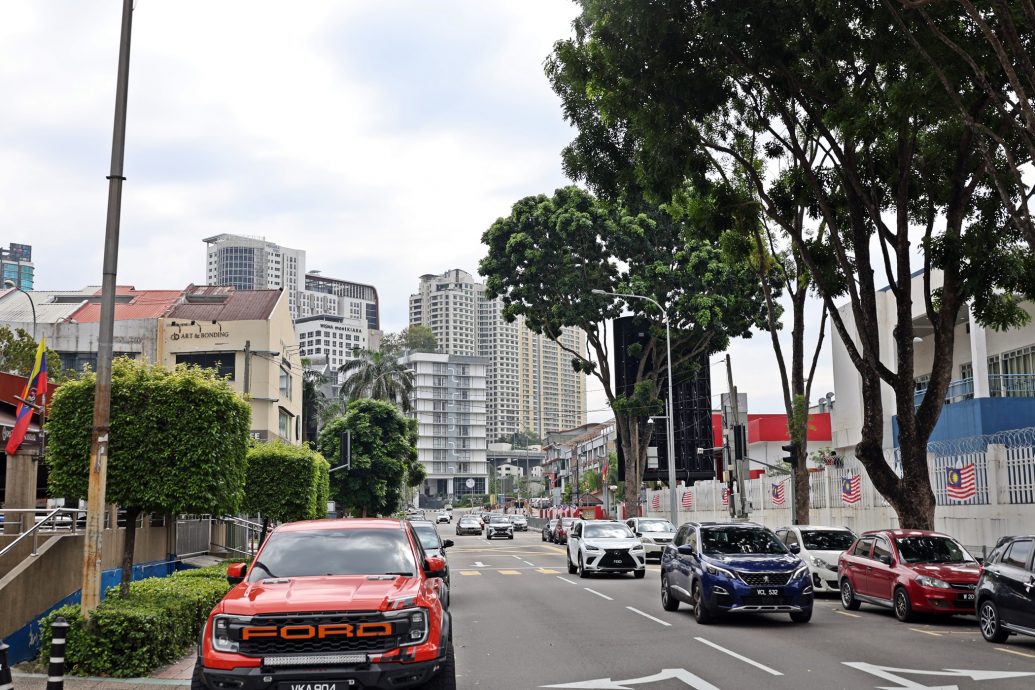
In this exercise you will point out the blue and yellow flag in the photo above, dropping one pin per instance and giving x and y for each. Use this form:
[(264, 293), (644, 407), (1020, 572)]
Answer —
[(35, 393)]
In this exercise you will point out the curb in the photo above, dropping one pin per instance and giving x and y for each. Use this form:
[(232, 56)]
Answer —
[(167, 682)]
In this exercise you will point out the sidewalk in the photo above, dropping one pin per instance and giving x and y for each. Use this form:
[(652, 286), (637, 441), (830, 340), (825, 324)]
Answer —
[(175, 675)]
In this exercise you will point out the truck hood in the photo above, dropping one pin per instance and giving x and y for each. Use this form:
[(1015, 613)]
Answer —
[(328, 593)]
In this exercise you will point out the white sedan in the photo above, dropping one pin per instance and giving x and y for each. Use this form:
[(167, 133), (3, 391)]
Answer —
[(603, 546), (820, 548)]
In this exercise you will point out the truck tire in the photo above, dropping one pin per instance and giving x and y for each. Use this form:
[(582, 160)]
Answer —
[(445, 679), (197, 679)]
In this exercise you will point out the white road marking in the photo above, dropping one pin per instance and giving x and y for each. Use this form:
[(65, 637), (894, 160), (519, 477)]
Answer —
[(891, 673), (680, 674), (1014, 651), (531, 564), (926, 632), (570, 582), (479, 564), (771, 671), (593, 591), (517, 557), (845, 613), (647, 615)]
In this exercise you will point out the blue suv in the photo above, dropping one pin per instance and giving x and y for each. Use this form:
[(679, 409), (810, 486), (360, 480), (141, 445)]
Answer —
[(719, 568)]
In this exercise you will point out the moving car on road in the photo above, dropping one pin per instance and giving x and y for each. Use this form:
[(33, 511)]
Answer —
[(499, 526), (561, 529), (1006, 590), (549, 527), (468, 524), (820, 548), (909, 571), (432, 542), (332, 603), (721, 568), (654, 533), (443, 517), (604, 546)]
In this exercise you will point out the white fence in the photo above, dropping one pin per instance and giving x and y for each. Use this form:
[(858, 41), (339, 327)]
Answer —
[(1003, 501)]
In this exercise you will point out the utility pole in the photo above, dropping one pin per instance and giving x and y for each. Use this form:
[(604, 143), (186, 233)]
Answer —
[(739, 461), (92, 545)]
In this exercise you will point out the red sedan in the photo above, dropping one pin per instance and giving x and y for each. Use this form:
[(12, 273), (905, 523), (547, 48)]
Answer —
[(909, 571)]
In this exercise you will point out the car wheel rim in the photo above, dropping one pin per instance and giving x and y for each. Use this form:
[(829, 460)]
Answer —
[(900, 603), (697, 598), (846, 594), (664, 591), (988, 620)]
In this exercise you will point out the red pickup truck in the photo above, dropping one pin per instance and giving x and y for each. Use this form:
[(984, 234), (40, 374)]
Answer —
[(331, 605)]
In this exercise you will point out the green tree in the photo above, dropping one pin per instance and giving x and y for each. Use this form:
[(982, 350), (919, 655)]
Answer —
[(178, 443), (384, 457), (18, 356), (414, 338), (285, 483), (314, 402), (856, 128), (549, 255), (378, 376), (521, 439)]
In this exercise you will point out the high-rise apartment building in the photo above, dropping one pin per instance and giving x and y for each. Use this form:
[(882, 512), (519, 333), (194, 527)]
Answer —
[(324, 295), (17, 266), (530, 384), (252, 263), (448, 400)]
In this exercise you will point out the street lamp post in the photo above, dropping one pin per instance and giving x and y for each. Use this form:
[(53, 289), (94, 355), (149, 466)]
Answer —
[(670, 419), (12, 285)]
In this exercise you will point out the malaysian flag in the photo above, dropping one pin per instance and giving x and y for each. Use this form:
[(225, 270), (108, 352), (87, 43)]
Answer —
[(778, 495), (851, 489), (725, 496), (960, 482), (688, 500), (656, 502)]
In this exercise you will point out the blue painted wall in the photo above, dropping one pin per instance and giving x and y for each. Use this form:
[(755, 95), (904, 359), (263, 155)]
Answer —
[(25, 642), (979, 417)]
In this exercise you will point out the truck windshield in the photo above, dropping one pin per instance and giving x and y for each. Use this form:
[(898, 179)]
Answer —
[(335, 552)]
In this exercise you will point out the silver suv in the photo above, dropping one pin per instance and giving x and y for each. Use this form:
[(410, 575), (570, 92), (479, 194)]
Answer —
[(520, 522), (499, 526)]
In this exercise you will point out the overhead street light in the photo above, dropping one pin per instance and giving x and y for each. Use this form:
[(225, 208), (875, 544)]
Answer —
[(670, 426), (13, 286)]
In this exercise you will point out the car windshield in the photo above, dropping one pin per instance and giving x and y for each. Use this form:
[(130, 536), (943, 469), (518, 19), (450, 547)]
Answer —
[(931, 550), (468, 521), (826, 539), (498, 520), (591, 531), (654, 526), (334, 552), (428, 536), (734, 540)]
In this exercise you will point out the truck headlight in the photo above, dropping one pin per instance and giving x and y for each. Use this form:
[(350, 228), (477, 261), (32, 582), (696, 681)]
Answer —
[(418, 627), (638, 547), (221, 641)]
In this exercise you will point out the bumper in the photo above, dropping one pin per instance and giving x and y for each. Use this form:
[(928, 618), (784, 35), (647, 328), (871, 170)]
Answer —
[(949, 601), (492, 534), (603, 563), (824, 581), (346, 678), (736, 597), (654, 550)]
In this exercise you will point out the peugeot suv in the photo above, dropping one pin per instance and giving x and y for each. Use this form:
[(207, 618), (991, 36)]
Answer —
[(1006, 590), (331, 603), (719, 568), (598, 546), (909, 571)]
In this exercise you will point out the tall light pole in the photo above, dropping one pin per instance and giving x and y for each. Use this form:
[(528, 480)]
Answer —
[(670, 417), (12, 285)]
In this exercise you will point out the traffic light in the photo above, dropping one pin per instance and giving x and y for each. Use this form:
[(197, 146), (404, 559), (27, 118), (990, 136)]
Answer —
[(792, 453)]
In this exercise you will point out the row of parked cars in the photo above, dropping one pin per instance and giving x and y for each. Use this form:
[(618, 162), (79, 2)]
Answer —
[(721, 568)]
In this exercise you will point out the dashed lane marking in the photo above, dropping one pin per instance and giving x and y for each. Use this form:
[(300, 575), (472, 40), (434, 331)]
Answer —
[(1014, 651), (602, 596), (470, 572), (570, 582), (647, 615), (752, 662), (926, 632), (508, 572), (531, 564), (547, 571), (845, 613)]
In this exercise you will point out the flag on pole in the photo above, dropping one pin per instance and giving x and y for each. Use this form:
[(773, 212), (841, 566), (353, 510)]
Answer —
[(725, 495), (960, 482), (851, 489), (656, 503), (688, 500), (35, 392), (603, 471), (778, 493)]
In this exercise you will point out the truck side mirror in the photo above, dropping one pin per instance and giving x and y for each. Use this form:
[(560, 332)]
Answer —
[(435, 566), (235, 573)]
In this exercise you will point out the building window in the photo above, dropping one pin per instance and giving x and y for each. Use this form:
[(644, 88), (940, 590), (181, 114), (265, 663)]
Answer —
[(285, 384), (285, 424), (223, 362)]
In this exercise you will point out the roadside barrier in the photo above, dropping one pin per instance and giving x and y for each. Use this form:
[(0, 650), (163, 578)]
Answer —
[(6, 683), (56, 670)]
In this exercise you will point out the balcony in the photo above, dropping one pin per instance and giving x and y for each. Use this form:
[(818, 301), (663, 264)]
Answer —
[(999, 386)]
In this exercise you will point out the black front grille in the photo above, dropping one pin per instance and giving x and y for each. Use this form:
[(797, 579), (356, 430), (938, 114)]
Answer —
[(761, 579), (662, 540), (266, 646), (617, 558), (763, 601), (967, 588)]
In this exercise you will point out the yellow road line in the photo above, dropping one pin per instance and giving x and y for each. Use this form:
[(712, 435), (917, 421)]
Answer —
[(547, 571), (508, 572), (1014, 651), (470, 572)]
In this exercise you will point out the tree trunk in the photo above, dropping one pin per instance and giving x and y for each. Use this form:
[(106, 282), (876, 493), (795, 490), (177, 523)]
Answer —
[(801, 489), (127, 551)]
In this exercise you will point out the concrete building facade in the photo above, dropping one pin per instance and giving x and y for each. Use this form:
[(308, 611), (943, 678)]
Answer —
[(253, 263), (16, 265)]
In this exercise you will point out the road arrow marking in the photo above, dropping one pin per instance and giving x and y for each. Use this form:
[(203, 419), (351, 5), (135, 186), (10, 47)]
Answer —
[(891, 673), (680, 674)]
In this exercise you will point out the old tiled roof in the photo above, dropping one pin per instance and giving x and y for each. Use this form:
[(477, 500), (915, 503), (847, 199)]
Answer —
[(221, 303), (141, 304)]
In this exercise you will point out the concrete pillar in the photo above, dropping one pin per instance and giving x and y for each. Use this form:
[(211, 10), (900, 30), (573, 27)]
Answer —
[(998, 475), (20, 488), (978, 356)]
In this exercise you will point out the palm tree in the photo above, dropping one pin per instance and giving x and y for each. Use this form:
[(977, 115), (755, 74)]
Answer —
[(378, 376), (313, 402)]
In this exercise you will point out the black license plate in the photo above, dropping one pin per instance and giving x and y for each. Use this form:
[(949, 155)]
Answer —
[(348, 684), (768, 592), (967, 597), (617, 560)]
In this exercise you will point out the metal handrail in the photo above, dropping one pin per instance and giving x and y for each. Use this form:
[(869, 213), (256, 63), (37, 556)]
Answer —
[(241, 521), (35, 529)]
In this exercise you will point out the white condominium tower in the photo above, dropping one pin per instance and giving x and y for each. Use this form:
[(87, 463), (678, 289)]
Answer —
[(530, 384)]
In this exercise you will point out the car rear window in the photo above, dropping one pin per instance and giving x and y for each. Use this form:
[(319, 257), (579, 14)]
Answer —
[(334, 552)]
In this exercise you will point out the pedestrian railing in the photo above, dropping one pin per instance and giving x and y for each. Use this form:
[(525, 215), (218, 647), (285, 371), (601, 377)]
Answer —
[(47, 522)]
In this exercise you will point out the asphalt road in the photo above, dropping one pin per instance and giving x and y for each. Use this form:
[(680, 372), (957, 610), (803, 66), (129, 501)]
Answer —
[(521, 621)]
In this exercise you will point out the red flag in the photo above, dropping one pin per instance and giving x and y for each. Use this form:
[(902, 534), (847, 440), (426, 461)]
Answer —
[(656, 503), (688, 500), (603, 472), (725, 496), (35, 393), (778, 493)]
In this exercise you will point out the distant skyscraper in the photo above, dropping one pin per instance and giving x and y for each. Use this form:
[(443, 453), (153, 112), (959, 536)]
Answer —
[(530, 384), (17, 265), (252, 263), (344, 298)]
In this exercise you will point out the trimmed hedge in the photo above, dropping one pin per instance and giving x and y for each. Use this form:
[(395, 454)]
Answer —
[(286, 483), (157, 624)]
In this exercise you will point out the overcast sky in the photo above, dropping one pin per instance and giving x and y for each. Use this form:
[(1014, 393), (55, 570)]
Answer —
[(382, 137)]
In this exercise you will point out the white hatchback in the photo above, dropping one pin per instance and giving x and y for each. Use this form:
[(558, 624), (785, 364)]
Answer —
[(819, 547), (604, 546)]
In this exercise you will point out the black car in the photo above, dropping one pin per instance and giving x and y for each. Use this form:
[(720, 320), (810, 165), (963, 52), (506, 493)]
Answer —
[(431, 541), (1006, 590)]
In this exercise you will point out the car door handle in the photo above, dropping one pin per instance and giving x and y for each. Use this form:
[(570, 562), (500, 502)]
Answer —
[(1029, 584)]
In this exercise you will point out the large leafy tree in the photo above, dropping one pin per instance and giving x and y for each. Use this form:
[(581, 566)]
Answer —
[(548, 256), (857, 129), (378, 376), (179, 440), (18, 355), (384, 457)]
